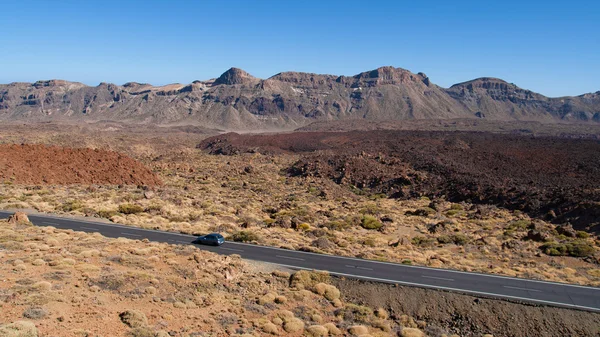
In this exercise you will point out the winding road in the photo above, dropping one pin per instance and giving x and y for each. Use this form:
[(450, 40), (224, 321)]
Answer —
[(485, 285)]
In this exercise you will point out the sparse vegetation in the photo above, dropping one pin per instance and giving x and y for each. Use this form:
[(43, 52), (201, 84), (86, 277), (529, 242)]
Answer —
[(370, 222), (245, 236), (130, 209)]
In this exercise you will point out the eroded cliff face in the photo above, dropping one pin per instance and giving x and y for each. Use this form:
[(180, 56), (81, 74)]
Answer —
[(238, 101)]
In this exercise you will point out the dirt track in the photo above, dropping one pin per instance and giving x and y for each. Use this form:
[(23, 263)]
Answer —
[(38, 164)]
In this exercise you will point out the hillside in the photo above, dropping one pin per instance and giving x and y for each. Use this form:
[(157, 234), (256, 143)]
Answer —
[(238, 101)]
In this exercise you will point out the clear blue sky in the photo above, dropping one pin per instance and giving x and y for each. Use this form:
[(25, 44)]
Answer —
[(549, 47)]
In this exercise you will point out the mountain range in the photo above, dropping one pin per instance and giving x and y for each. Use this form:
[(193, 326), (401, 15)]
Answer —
[(238, 101)]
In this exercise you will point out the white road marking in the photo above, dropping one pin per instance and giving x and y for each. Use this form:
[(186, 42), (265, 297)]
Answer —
[(235, 250), (466, 291), (291, 258), (437, 278), (183, 241), (349, 266), (539, 291), (92, 229), (364, 268), (51, 223), (130, 234)]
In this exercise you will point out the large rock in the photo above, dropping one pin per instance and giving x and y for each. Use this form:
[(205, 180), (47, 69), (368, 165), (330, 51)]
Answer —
[(537, 235)]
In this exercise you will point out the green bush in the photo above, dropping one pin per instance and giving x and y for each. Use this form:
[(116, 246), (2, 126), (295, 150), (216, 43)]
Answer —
[(421, 241), (130, 209), (444, 239), (245, 236), (369, 242), (575, 249), (460, 239), (336, 225), (424, 211), (580, 249), (370, 222), (518, 225), (583, 235), (457, 207), (370, 209)]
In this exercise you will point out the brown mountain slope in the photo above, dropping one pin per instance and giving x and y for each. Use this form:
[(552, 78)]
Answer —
[(238, 101)]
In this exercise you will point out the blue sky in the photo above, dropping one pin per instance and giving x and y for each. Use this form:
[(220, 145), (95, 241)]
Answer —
[(549, 47)]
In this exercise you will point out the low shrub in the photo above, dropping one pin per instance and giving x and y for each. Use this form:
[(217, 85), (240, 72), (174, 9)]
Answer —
[(421, 241), (355, 313), (245, 236), (308, 279), (575, 249), (370, 222), (72, 205), (130, 209), (424, 211)]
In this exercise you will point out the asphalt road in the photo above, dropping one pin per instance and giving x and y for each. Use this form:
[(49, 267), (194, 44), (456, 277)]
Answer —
[(540, 292)]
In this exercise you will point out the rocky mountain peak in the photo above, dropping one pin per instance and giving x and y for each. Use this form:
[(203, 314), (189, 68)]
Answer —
[(235, 76), (384, 76)]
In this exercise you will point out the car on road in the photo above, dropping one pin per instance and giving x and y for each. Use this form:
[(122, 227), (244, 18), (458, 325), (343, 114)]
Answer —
[(214, 239)]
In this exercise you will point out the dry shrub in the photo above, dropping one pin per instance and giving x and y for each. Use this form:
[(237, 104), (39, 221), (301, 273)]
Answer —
[(270, 328), (411, 332), (317, 331), (381, 313), (281, 274), (267, 298), (134, 318), (328, 291), (305, 279), (333, 330), (292, 325), (19, 329), (355, 313), (358, 330), (42, 286)]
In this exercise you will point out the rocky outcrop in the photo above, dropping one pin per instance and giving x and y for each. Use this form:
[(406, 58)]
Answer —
[(235, 76)]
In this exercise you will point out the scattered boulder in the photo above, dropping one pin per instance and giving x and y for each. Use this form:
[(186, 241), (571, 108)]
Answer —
[(538, 236), (35, 313), (322, 243), (566, 230)]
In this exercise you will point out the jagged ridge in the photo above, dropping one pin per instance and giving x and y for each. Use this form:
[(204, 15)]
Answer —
[(238, 101)]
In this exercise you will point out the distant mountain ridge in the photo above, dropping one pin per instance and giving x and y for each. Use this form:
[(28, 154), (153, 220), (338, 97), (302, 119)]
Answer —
[(238, 101)]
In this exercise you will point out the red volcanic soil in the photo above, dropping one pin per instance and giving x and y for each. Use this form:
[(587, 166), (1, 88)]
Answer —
[(39, 164), (555, 178)]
